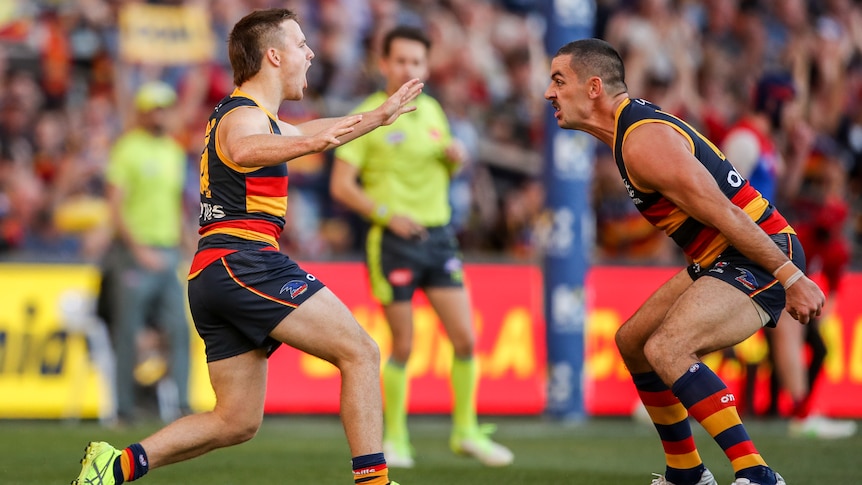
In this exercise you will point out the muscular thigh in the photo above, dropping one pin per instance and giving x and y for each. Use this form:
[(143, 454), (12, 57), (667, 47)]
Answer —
[(322, 326), (722, 307), (708, 316), (239, 383), (638, 328)]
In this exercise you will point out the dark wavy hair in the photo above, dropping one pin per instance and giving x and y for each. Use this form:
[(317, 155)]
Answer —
[(405, 32)]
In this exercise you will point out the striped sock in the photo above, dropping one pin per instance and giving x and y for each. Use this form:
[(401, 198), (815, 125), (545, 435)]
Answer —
[(710, 402), (132, 464), (670, 418), (370, 469)]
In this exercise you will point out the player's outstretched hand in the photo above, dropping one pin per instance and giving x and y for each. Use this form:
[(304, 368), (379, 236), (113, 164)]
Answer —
[(805, 300), (397, 104), (328, 138)]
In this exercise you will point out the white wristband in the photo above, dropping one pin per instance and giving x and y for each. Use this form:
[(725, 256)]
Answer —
[(793, 278)]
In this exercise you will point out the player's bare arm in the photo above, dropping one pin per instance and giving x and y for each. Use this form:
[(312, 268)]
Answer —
[(385, 114), (658, 158), (246, 139)]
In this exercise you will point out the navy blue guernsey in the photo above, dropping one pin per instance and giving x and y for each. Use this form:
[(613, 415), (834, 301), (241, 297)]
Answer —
[(700, 242), (240, 206)]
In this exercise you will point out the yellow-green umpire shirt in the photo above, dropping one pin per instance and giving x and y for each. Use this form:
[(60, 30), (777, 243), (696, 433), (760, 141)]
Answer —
[(403, 165), (150, 170)]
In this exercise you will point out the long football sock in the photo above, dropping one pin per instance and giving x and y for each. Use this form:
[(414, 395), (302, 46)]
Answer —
[(370, 469), (670, 419), (396, 387), (712, 404), (465, 380), (132, 464)]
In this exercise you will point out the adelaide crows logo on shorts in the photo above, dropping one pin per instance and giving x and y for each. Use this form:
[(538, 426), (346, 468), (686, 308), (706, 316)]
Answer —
[(294, 288), (747, 279)]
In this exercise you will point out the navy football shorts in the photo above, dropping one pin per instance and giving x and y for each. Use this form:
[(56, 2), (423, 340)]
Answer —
[(239, 299), (756, 282)]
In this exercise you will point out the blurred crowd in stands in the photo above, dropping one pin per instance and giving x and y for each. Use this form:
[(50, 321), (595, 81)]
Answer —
[(69, 70)]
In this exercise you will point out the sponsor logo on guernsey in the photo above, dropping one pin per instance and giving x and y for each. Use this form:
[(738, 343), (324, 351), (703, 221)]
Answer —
[(629, 188), (400, 277), (747, 279), (631, 191), (694, 367), (294, 288), (734, 179), (211, 211)]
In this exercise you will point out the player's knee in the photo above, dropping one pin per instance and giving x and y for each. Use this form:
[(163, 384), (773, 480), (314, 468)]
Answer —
[(241, 430), (371, 349), (625, 343), (463, 348), (401, 350), (654, 352), (366, 350)]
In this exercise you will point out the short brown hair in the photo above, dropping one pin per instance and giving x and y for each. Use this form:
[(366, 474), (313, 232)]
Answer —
[(595, 57), (405, 32), (250, 37)]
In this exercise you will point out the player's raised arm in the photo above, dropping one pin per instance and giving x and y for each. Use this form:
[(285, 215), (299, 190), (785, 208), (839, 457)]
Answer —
[(245, 138), (396, 105)]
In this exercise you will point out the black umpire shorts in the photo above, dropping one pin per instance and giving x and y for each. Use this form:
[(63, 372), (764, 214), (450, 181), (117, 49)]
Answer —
[(397, 266)]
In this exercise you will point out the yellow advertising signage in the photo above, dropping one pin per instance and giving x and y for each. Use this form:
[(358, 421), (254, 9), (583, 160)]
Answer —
[(165, 34), (55, 357), (45, 365)]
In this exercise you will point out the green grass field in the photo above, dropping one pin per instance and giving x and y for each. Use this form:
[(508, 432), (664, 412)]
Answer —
[(311, 449)]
